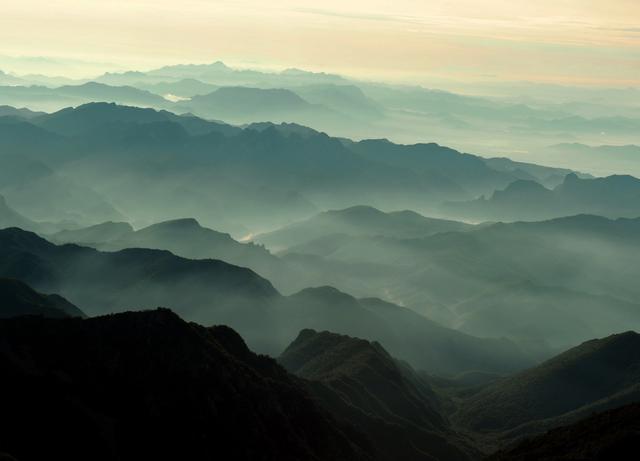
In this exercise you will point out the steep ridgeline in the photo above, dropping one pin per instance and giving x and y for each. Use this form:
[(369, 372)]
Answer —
[(148, 385), (601, 437), (17, 299), (182, 237), (211, 291), (613, 196), (595, 376), (361, 383)]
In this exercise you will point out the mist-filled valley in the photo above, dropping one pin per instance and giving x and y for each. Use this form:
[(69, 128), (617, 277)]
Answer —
[(201, 261)]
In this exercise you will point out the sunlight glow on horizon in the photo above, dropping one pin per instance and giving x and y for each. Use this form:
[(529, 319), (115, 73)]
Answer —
[(582, 42)]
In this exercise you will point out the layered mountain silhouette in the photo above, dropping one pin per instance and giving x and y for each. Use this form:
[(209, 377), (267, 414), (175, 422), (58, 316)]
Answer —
[(155, 165), (595, 376), (549, 177), (103, 118), (359, 381), (18, 299), (35, 188), (182, 237), (148, 384), (517, 279), (48, 99), (544, 312), (613, 196), (212, 291), (405, 334), (24, 113), (359, 109)]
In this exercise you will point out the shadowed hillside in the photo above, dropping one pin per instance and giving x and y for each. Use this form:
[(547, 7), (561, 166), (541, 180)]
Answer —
[(360, 382), (596, 375), (18, 299), (148, 385), (605, 436)]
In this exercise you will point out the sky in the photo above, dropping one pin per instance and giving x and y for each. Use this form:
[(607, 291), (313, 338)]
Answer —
[(576, 42)]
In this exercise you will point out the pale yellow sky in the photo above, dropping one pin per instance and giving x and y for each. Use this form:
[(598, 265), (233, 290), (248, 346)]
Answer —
[(565, 41)]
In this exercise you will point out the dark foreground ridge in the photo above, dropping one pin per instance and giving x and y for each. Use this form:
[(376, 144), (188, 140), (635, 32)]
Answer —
[(359, 382), (605, 436), (148, 385)]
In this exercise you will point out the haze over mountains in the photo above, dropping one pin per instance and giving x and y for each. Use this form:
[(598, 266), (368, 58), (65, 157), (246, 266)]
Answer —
[(490, 124), (414, 301)]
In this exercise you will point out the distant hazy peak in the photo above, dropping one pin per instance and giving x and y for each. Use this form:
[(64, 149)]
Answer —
[(180, 223)]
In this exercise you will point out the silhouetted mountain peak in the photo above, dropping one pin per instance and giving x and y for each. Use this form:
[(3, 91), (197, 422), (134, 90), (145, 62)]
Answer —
[(523, 185), (357, 212), (177, 224), (304, 356), (330, 294)]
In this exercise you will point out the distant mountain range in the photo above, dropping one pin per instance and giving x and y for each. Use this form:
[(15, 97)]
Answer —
[(50, 99), (613, 196), (357, 109), (485, 279), (155, 165)]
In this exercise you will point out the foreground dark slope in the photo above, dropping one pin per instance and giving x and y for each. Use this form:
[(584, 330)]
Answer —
[(150, 386), (211, 291), (596, 375), (18, 299), (361, 383), (614, 434)]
